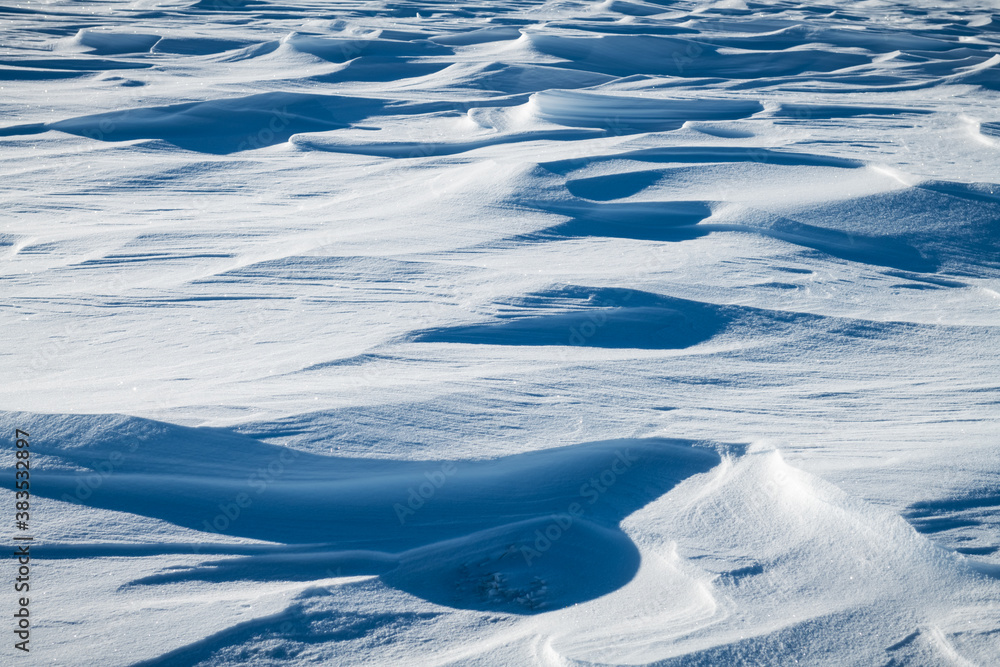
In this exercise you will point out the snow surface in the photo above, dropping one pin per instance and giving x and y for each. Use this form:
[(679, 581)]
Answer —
[(509, 333)]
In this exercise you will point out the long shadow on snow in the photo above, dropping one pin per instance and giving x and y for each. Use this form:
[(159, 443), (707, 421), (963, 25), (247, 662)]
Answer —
[(682, 220), (978, 509), (298, 624), (593, 213), (522, 534), (595, 317), (218, 127)]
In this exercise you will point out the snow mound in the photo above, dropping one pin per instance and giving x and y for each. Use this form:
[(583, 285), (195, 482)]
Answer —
[(219, 126), (107, 43)]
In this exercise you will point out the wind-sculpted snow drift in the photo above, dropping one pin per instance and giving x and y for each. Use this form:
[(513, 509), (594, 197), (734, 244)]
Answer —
[(513, 333)]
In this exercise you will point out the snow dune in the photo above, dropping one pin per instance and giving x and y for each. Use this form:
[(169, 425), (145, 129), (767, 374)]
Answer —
[(219, 127), (520, 535), (514, 333)]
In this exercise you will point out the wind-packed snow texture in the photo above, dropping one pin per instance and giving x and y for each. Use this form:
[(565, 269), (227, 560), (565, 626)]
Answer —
[(510, 333)]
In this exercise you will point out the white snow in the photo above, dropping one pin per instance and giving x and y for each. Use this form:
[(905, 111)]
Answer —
[(510, 333)]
